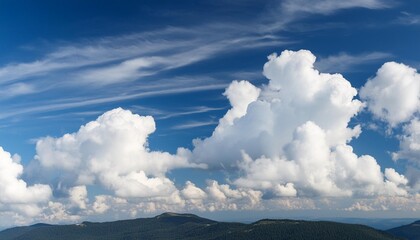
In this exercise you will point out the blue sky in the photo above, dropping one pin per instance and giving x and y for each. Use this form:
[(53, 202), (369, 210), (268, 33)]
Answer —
[(294, 138)]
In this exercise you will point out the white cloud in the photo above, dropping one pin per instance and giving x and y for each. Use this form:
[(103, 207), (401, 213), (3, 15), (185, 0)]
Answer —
[(410, 143), (286, 142), (78, 196), (394, 177), (330, 6), (113, 152), (240, 95), (345, 62), (283, 105), (223, 197), (57, 212), (393, 95), (389, 203), (193, 124), (407, 18), (100, 206), (190, 191), (194, 196), (16, 89), (15, 192), (291, 138)]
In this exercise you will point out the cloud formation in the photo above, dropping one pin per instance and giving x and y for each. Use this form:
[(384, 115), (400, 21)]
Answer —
[(330, 6), (284, 145), (15, 192), (410, 143), (393, 95), (292, 140), (113, 152)]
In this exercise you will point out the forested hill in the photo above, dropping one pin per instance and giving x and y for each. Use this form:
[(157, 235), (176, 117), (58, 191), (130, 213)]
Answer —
[(409, 232), (190, 227)]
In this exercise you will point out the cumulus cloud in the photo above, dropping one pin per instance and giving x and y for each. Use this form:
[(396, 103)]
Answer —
[(240, 95), (410, 143), (15, 192), (283, 105), (111, 151), (226, 198), (194, 195), (393, 95), (287, 143), (78, 196), (390, 203), (292, 139)]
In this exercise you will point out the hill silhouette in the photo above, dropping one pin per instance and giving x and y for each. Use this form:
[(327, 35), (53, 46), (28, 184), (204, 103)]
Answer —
[(409, 232), (191, 227)]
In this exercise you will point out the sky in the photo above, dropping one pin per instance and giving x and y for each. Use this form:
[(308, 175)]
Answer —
[(229, 109)]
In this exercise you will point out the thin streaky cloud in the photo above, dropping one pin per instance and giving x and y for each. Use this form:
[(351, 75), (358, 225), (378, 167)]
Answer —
[(290, 11), (408, 19), (195, 45), (331, 6), (73, 103), (196, 110), (194, 124), (345, 62)]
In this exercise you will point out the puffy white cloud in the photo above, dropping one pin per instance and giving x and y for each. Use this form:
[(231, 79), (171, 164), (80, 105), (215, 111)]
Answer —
[(190, 191), (194, 196), (394, 177), (393, 95), (112, 151), (283, 105), (410, 143), (292, 140), (100, 205), (223, 197), (291, 203), (390, 203), (410, 150), (240, 95), (57, 212), (315, 169), (286, 142), (78, 196), (15, 192)]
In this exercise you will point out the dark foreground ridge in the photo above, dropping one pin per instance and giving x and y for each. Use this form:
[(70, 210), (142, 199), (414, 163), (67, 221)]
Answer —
[(409, 232), (191, 227)]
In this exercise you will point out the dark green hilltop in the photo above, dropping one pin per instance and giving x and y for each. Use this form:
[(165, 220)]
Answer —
[(190, 227), (409, 232)]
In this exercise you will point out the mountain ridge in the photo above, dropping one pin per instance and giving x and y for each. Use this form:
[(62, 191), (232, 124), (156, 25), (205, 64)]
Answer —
[(410, 231), (191, 227)]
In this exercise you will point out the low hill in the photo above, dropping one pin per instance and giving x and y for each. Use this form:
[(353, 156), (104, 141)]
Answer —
[(409, 232), (191, 227)]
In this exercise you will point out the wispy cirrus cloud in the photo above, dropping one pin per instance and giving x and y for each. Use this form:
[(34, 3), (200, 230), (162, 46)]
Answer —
[(69, 103), (345, 62), (290, 11), (191, 111), (69, 74), (331, 6), (194, 124), (407, 18), (114, 59)]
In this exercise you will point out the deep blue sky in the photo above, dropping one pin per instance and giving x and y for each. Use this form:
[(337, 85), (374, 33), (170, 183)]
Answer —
[(58, 57)]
